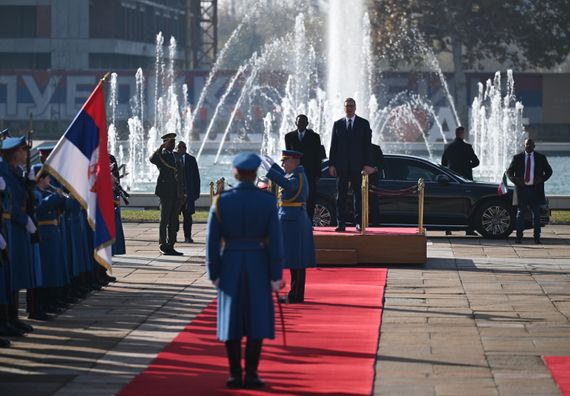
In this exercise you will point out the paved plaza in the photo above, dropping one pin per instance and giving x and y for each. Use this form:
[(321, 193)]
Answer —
[(476, 319)]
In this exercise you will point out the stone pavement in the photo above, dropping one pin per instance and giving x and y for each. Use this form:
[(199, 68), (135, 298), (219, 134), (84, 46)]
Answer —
[(475, 320)]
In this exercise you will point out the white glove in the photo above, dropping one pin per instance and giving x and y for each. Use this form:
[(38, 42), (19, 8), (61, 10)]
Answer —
[(216, 282), (32, 175), (2, 242), (266, 162), (31, 227), (2, 184), (277, 285)]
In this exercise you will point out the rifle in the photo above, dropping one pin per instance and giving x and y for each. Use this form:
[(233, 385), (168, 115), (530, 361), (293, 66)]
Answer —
[(30, 184)]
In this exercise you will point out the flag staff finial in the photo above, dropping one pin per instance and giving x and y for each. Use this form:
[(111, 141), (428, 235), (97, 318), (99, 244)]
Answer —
[(104, 78)]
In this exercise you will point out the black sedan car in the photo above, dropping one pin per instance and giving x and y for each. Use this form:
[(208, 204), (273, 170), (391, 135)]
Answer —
[(451, 202)]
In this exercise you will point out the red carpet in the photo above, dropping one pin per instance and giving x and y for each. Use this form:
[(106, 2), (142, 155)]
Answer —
[(371, 231), (559, 367), (331, 344)]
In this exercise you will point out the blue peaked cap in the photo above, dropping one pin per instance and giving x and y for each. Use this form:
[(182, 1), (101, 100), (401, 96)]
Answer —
[(285, 154), (12, 142), (246, 161)]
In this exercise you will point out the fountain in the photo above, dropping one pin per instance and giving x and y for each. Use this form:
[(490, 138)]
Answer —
[(287, 76)]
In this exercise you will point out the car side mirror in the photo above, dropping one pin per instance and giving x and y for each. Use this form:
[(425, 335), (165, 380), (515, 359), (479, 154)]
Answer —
[(442, 179)]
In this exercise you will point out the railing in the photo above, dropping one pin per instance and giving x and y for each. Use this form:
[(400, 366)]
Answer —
[(365, 204), (419, 188), (216, 188)]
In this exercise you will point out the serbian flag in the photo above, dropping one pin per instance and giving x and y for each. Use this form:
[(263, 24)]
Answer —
[(80, 162), (502, 189)]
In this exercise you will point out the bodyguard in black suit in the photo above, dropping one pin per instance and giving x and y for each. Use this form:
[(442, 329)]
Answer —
[(459, 156), (170, 190), (349, 156), (528, 171), (307, 142), (192, 189)]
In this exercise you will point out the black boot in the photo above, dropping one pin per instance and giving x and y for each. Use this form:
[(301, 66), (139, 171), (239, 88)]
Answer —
[(252, 355), (13, 315), (233, 349), (4, 343)]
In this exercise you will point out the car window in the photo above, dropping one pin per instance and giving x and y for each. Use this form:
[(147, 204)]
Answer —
[(409, 170)]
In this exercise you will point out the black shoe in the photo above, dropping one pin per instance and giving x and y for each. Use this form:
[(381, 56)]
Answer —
[(470, 232), (4, 343), (358, 228), (234, 381), (283, 299), (164, 248), (8, 330), (41, 316), (537, 241), (448, 233), (188, 240), (252, 381), (53, 309), (518, 241), (340, 228), (110, 278), (26, 328), (173, 252)]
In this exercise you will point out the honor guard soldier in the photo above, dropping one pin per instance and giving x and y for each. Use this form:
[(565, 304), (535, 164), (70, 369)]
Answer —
[(4, 263), (243, 256), (19, 227), (50, 203), (170, 189), (296, 226)]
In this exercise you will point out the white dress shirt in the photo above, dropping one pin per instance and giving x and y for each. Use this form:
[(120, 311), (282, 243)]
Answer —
[(528, 157), (352, 121)]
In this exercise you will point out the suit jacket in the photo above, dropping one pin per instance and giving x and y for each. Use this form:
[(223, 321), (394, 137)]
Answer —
[(349, 152), (460, 157), (310, 146), (168, 184), (191, 181), (542, 172)]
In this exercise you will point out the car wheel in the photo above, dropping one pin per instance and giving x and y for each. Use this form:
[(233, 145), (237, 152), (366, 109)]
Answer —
[(324, 215), (495, 220)]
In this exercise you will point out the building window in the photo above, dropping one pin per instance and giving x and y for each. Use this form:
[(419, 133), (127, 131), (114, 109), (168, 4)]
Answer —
[(17, 21), (15, 60)]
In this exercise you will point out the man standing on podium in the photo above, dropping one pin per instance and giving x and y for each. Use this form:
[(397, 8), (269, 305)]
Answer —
[(299, 247), (307, 142), (349, 156)]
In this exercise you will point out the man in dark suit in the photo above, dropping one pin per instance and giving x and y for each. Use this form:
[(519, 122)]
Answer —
[(192, 191), (528, 171), (459, 156), (350, 156), (307, 142), (170, 189)]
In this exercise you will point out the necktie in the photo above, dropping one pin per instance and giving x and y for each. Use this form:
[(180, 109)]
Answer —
[(349, 127), (527, 169), (301, 134)]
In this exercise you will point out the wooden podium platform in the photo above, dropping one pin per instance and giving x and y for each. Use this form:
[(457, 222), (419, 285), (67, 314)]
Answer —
[(377, 246)]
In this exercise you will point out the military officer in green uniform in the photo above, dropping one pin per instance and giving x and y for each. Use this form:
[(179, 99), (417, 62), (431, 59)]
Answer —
[(170, 189)]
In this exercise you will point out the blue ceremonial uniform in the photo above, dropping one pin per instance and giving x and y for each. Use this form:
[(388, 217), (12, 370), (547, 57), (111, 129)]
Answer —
[(22, 275), (245, 218), (4, 263), (297, 231), (49, 206)]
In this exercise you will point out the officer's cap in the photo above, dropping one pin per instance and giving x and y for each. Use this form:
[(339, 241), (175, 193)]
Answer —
[(246, 161), (168, 136), (46, 148), (286, 154), (4, 134), (13, 142)]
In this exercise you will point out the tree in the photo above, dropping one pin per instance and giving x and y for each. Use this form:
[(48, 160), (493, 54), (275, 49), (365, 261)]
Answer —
[(516, 33)]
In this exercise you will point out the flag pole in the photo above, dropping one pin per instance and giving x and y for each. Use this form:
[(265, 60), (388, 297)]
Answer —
[(282, 319), (105, 77)]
